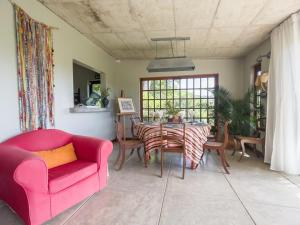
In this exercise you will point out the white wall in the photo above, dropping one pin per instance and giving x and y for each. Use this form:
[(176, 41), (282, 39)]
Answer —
[(250, 61), (69, 44), (128, 73)]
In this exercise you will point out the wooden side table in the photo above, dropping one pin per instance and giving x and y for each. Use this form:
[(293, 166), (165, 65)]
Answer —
[(247, 140)]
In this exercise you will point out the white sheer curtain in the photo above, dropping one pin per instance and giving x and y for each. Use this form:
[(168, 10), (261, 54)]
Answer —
[(283, 111)]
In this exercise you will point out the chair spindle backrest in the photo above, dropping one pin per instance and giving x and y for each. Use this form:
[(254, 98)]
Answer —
[(170, 132)]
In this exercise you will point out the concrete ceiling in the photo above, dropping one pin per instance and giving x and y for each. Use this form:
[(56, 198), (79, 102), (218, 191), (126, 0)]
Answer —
[(218, 28)]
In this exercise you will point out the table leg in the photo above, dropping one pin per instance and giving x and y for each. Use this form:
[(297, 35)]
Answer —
[(243, 149)]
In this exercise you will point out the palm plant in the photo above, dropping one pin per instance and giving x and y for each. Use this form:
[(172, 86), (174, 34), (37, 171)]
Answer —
[(239, 111)]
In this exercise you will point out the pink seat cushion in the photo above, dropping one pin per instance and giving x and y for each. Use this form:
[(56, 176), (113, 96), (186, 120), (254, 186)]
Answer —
[(64, 176)]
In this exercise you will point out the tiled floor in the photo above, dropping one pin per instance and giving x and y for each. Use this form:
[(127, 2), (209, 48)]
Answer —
[(251, 194)]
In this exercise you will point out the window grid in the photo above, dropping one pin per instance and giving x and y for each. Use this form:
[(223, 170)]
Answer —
[(185, 92), (257, 97)]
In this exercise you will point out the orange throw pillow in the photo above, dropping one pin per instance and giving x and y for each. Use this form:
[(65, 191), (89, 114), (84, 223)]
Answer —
[(59, 156)]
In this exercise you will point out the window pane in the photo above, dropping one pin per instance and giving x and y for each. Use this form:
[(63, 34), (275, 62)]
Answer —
[(203, 113), (157, 104), (145, 104), (203, 103), (145, 85), (190, 83), (157, 94), (197, 103), (211, 113), (151, 111), (151, 94), (157, 85), (211, 82), (190, 93), (151, 85), (183, 104), (183, 93), (176, 84), (145, 113), (163, 104), (163, 84), (176, 93), (190, 103), (184, 113), (197, 93), (170, 94), (163, 95), (170, 84), (203, 82), (151, 104), (211, 103), (176, 103), (197, 113), (197, 83), (204, 93), (183, 83), (211, 93), (145, 94)]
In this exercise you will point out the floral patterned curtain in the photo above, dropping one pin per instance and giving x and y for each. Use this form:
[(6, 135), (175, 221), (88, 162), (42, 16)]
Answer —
[(35, 72)]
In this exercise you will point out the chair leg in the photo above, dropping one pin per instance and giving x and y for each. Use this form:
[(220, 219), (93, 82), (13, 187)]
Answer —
[(183, 165), (235, 146), (161, 162), (119, 155), (146, 159), (139, 153), (256, 151), (132, 151), (202, 155), (223, 160), (243, 149), (122, 159)]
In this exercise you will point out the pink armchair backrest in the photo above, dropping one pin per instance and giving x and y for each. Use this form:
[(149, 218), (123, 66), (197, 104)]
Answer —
[(40, 140)]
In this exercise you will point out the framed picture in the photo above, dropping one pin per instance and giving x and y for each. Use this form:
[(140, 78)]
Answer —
[(126, 105)]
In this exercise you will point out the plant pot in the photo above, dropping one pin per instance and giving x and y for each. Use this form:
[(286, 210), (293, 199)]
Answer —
[(175, 119), (104, 102)]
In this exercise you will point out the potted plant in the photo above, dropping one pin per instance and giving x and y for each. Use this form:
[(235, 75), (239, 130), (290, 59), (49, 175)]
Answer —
[(173, 114), (239, 111), (105, 93)]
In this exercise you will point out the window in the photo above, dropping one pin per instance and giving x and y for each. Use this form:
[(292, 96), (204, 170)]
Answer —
[(87, 83), (259, 114), (184, 92)]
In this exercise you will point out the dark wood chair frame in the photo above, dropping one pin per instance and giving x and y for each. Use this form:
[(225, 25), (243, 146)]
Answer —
[(164, 145), (219, 147), (126, 144)]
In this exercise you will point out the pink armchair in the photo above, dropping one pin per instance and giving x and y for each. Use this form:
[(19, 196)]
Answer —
[(38, 194)]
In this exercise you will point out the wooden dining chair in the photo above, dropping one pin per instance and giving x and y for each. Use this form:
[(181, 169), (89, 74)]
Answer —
[(257, 139), (126, 144), (219, 147), (172, 140), (135, 120)]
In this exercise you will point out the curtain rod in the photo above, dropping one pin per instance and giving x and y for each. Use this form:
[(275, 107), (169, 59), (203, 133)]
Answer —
[(289, 16), (51, 27)]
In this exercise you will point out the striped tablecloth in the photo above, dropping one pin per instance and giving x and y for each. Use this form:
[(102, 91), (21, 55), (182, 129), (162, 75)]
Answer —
[(195, 137)]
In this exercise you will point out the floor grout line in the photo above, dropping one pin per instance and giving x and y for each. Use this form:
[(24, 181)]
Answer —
[(163, 200), (240, 199), (287, 178), (85, 201)]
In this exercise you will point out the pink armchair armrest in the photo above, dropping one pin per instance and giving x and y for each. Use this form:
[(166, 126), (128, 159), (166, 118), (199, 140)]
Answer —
[(19, 164), (92, 149), (95, 150)]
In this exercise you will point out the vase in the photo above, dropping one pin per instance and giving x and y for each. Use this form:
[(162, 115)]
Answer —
[(104, 102)]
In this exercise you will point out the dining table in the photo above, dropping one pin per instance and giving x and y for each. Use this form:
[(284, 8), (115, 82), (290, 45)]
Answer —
[(195, 136)]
